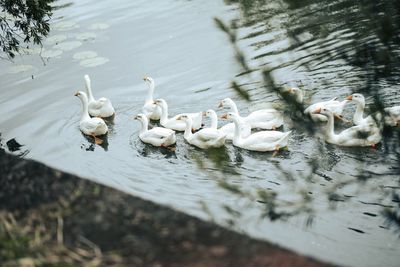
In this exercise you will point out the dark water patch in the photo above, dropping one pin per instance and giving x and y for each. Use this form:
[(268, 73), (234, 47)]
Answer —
[(13, 145), (356, 230), (272, 182), (370, 214), (323, 175), (376, 204)]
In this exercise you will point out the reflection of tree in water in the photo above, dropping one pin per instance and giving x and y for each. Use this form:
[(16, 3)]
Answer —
[(23, 22), (365, 36)]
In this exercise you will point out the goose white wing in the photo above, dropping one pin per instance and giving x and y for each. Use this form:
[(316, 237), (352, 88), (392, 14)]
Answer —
[(93, 126), (159, 132), (95, 105), (208, 134)]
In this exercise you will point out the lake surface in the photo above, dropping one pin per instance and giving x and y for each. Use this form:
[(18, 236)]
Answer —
[(193, 63)]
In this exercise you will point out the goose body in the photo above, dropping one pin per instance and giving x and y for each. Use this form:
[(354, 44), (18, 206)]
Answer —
[(156, 136), (358, 117), (90, 126), (359, 135), (392, 116), (151, 110), (98, 108), (263, 118), (334, 105), (204, 138), (228, 129), (260, 141), (175, 124)]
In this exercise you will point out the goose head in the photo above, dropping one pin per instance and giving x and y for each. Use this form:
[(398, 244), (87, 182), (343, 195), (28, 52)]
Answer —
[(323, 111), (209, 113), (183, 117), (358, 98), (81, 95), (294, 92), (160, 102), (229, 116), (227, 102), (148, 80), (140, 117)]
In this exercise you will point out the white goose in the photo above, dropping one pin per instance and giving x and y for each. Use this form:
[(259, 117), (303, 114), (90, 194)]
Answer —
[(334, 105), (359, 135), (156, 136), (358, 117), (263, 118), (205, 138), (151, 110), (392, 116), (98, 108), (260, 141), (227, 129), (175, 124), (90, 126)]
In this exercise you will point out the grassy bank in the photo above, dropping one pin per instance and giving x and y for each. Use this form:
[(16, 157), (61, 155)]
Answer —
[(51, 218)]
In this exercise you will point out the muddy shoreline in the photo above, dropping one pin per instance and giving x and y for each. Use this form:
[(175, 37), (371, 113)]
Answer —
[(52, 218)]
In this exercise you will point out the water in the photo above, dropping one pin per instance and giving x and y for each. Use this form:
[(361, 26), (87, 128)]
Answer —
[(177, 43)]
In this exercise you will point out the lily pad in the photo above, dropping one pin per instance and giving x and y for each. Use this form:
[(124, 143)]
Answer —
[(86, 36), (30, 51), (93, 62), (19, 68), (65, 25), (85, 55), (51, 53), (67, 46), (99, 26), (56, 39)]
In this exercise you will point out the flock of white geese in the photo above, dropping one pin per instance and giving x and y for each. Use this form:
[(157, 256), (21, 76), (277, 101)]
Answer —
[(365, 132)]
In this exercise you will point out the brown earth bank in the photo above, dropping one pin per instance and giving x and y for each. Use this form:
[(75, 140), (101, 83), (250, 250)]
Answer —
[(52, 218)]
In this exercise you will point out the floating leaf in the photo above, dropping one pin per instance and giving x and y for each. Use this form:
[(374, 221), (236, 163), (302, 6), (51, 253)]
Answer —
[(65, 25), (30, 51), (51, 53), (98, 26), (67, 46), (19, 68), (56, 39), (93, 62), (86, 36), (85, 55)]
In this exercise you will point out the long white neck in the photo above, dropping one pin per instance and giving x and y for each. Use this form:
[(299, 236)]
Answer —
[(299, 95), (233, 107), (144, 125), (330, 127), (358, 115), (164, 113), (237, 136), (84, 100), (188, 130), (89, 88), (150, 92), (214, 120)]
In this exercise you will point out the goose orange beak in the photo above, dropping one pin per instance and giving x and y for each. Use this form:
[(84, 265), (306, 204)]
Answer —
[(317, 111), (350, 97), (224, 116), (220, 105), (76, 94)]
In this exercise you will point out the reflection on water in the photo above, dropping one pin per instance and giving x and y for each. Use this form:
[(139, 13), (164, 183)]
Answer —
[(308, 44)]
